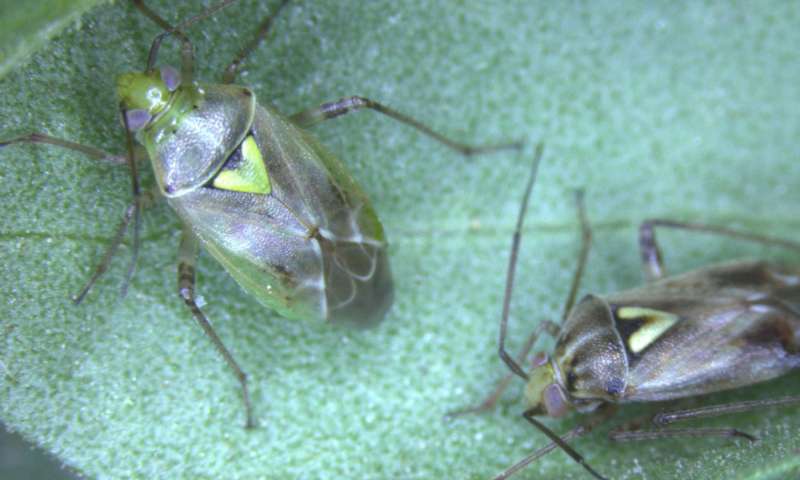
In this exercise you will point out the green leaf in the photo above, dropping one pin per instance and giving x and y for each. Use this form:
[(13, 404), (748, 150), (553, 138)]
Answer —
[(680, 110), (26, 26)]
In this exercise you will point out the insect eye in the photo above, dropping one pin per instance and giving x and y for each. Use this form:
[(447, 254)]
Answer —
[(540, 359), (554, 401), (137, 118), (171, 77)]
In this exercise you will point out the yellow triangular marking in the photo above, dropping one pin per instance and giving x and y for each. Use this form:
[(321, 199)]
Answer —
[(654, 324), (250, 176)]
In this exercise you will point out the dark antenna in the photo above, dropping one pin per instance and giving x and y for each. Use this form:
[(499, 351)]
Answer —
[(187, 56), (512, 266)]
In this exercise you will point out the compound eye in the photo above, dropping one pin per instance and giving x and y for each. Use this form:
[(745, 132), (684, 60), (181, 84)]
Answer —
[(137, 118), (171, 78), (554, 401)]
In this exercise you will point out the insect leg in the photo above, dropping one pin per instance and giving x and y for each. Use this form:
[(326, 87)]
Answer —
[(263, 30), (91, 152), (187, 254), (665, 418), (146, 199), (631, 430), (490, 401), (326, 111), (652, 262), (623, 435), (141, 200)]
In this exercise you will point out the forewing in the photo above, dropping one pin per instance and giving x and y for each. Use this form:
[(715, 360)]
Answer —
[(726, 326), (310, 247)]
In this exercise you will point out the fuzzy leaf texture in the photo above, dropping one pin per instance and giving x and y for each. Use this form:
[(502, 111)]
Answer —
[(679, 110)]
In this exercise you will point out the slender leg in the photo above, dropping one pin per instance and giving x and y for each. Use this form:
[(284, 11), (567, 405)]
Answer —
[(140, 201), (512, 266), (605, 412), (187, 254), (263, 30), (490, 401), (665, 418), (146, 200), (631, 431), (326, 111), (91, 152), (652, 262), (622, 435)]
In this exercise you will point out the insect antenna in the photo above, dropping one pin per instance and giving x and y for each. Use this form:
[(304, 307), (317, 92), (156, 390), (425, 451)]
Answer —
[(510, 471), (132, 213), (586, 242), (561, 444), (137, 208), (512, 266), (186, 50)]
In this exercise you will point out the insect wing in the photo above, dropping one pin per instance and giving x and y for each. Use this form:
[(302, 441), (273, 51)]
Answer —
[(305, 241), (713, 329)]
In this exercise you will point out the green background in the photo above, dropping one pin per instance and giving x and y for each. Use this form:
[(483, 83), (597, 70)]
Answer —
[(672, 109)]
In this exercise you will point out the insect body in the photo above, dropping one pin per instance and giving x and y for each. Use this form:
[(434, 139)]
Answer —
[(276, 209), (254, 188), (712, 329), (708, 330)]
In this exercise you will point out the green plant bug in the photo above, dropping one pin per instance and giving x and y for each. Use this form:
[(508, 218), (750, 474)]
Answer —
[(712, 329), (253, 188)]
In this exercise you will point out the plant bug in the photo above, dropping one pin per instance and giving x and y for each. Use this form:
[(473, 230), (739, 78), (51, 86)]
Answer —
[(253, 188), (712, 329)]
